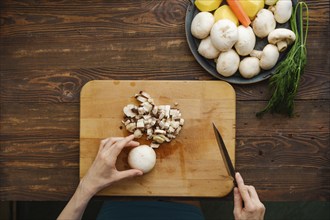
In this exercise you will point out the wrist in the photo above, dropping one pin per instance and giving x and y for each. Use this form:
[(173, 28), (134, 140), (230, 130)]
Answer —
[(86, 190)]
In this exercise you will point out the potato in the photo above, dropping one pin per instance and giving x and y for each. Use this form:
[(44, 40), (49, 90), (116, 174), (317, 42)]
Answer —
[(251, 7), (207, 5), (224, 12)]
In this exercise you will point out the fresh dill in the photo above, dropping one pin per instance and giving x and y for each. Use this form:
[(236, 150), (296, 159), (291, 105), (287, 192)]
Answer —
[(285, 79)]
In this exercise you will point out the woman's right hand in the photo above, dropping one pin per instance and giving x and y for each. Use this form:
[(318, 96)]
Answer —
[(247, 205)]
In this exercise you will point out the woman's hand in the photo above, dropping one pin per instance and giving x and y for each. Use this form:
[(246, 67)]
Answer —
[(103, 171), (252, 209), (101, 174)]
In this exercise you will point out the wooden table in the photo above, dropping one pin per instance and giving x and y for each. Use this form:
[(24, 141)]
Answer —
[(49, 50)]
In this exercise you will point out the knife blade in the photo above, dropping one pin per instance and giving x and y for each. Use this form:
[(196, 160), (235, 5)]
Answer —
[(228, 164)]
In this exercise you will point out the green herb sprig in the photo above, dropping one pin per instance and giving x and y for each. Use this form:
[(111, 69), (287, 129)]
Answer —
[(285, 79)]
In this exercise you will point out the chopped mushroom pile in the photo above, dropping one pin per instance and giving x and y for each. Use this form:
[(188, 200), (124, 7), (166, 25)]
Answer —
[(160, 123)]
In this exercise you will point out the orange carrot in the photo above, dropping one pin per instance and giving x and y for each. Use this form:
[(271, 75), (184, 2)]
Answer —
[(239, 12)]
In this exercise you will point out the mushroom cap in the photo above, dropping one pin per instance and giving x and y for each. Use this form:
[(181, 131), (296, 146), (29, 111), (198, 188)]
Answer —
[(269, 57), (207, 50), (142, 158), (227, 63), (249, 67), (224, 34), (264, 23), (283, 11), (201, 25), (246, 40), (281, 34)]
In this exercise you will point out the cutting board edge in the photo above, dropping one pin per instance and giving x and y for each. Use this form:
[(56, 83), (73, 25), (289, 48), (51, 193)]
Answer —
[(88, 84)]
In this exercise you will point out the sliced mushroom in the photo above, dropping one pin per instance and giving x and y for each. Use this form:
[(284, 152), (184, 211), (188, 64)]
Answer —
[(140, 123), (159, 131), (126, 122), (128, 110), (147, 106), (146, 95), (158, 139), (131, 127), (138, 133), (160, 123), (154, 145)]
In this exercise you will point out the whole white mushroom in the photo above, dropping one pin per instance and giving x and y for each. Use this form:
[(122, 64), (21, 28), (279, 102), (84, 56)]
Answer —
[(282, 10), (268, 56), (201, 25), (142, 158), (282, 38), (227, 63), (246, 40), (224, 34), (264, 23), (207, 50), (249, 67)]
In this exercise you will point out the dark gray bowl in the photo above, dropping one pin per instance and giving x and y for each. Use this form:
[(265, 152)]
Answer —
[(210, 66)]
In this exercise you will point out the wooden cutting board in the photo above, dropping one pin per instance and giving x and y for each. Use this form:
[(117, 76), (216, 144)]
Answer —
[(190, 165)]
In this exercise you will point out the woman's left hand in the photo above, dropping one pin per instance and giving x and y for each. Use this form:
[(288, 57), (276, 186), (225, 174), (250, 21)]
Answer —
[(103, 171)]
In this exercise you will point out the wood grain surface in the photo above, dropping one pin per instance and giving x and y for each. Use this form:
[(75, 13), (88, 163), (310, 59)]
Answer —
[(188, 164), (50, 49)]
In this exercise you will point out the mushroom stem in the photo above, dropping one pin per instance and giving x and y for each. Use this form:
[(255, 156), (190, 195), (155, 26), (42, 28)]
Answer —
[(256, 53), (281, 45), (272, 8)]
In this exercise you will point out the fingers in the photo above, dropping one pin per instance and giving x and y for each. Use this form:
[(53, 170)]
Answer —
[(129, 173), (108, 142), (111, 141), (243, 190), (253, 193), (238, 205), (116, 148)]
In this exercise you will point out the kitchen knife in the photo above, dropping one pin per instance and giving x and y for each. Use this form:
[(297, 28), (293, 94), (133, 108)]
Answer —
[(228, 164)]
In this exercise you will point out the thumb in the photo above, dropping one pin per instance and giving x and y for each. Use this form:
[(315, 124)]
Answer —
[(129, 173), (237, 201)]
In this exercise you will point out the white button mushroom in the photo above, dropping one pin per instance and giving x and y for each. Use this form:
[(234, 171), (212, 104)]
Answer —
[(249, 67), (281, 37), (282, 10), (207, 50), (201, 25), (142, 158), (264, 23), (224, 34), (268, 56), (246, 40), (227, 63)]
